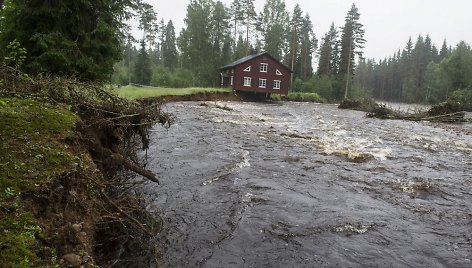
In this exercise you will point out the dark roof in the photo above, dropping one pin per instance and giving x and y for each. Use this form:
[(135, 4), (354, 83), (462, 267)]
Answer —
[(250, 57), (242, 60)]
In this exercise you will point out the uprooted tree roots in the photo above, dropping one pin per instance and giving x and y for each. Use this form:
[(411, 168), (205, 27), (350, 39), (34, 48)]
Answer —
[(447, 112), (111, 130)]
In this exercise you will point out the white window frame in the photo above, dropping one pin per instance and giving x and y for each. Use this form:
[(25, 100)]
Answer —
[(277, 72), (277, 84), (262, 83), (247, 81), (264, 67), (248, 69)]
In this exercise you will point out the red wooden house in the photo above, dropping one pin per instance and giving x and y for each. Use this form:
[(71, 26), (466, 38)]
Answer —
[(259, 73)]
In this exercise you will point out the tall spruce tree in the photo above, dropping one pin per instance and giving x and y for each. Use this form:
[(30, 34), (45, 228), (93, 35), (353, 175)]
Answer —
[(81, 38), (294, 39), (444, 51), (148, 23), (142, 70), (220, 25), (352, 43), (328, 53), (169, 47), (308, 44), (195, 43), (272, 24), (240, 49), (249, 21), (237, 16)]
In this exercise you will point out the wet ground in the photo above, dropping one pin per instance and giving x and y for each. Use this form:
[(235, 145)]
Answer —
[(308, 185)]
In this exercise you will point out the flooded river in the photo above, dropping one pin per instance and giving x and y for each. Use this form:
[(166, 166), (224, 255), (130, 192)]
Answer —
[(308, 185)]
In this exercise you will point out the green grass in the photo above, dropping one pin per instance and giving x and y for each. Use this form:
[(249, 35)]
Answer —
[(31, 157), (135, 92), (300, 97)]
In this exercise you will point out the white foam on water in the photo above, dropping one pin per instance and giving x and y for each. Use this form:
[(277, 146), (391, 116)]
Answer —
[(242, 163)]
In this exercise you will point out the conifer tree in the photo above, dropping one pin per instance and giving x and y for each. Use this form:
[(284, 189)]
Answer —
[(142, 70), (294, 40), (352, 43), (240, 49), (220, 22), (169, 48), (272, 26), (237, 16), (148, 23), (308, 44), (328, 53), (195, 43), (444, 51), (249, 21), (81, 38)]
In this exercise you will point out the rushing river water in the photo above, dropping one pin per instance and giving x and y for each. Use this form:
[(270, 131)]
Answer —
[(308, 185)]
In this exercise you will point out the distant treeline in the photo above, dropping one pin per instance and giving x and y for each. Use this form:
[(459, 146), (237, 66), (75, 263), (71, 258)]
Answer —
[(420, 73), (216, 35), (91, 41)]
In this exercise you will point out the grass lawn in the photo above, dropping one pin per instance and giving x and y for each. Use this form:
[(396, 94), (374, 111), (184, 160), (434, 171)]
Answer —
[(135, 92)]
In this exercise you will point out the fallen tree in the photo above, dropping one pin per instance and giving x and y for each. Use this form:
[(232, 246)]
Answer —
[(447, 112), (443, 112)]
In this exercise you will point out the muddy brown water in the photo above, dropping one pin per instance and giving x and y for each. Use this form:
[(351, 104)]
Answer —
[(308, 185)]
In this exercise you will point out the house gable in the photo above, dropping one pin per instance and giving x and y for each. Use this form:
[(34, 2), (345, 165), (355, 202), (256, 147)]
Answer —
[(260, 73)]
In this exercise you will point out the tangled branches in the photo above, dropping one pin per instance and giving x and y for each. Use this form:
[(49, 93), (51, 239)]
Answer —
[(112, 126), (447, 112)]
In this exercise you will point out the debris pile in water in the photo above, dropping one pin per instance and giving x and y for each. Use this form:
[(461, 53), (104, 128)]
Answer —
[(447, 112), (365, 104)]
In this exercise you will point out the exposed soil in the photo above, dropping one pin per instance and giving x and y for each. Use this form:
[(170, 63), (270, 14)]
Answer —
[(61, 202)]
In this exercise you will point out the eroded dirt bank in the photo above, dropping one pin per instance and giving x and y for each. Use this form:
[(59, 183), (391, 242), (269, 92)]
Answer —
[(308, 185)]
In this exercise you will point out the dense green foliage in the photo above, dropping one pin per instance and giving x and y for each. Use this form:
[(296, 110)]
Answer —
[(420, 73), (301, 97), (215, 35), (80, 38), (87, 38)]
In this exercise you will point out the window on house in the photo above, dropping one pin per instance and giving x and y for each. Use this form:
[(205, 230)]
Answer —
[(262, 83), (277, 84), (247, 81), (277, 72), (264, 67), (248, 69)]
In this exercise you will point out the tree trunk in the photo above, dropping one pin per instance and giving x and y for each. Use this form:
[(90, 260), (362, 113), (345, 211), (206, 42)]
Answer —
[(247, 35), (348, 75)]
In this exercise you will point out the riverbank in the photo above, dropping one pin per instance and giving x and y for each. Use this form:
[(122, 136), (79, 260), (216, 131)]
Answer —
[(48, 186), (155, 94), (63, 201)]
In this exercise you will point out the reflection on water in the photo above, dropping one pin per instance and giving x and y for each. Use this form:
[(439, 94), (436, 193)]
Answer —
[(308, 185)]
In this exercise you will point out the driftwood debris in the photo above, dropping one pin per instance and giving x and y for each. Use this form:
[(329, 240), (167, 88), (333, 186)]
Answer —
[(448, 112)]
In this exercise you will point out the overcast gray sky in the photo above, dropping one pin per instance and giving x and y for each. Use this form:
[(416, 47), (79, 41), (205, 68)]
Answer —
[(388, 23)]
